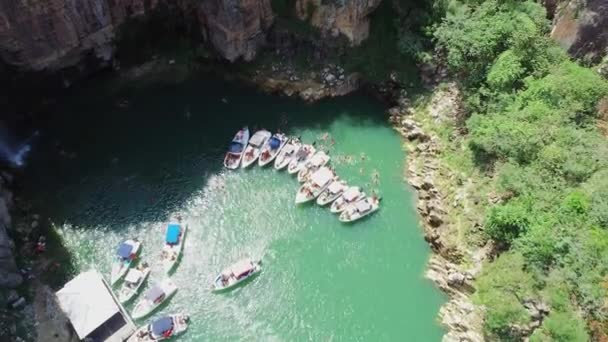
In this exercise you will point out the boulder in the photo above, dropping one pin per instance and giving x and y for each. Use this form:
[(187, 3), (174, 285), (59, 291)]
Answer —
[(329, 78)]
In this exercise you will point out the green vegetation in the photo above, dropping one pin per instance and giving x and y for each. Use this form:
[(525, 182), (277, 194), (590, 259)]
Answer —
[(533, 140)]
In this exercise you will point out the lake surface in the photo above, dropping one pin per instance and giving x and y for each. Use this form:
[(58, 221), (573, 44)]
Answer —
[(120, 165)]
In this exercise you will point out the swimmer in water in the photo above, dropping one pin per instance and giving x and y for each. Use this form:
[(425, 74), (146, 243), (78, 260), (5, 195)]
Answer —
[(361, 171), (363, 156), (375, 177)]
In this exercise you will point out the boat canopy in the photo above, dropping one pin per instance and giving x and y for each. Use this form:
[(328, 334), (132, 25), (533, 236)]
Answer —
[(322, 176), (173, 230), (235, 147), (318, 159), (351, 193), (274, 143), (133, 276), (336, 187), (154, 293), (161, 325), (259, 137), (363, 206), (124, 250)]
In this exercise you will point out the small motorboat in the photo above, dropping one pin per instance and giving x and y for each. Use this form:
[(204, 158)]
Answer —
[(133, 282), (161, 329), (317, 161), (236, 148), (350, 196), (153, 298), (287, 154), (302, 156), (272, 148), (360, 209), (174, 243), (318, 182), (333, 191), (236, 274), (252, 152), (126, 255)]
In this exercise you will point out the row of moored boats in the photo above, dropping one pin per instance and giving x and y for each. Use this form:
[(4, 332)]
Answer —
[(320, 182), (133, 277)]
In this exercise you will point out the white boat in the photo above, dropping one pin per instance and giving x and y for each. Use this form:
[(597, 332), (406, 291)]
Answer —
[(236, 274), (162, 328), (174, 244), (252, 152), (133, 282), (302, 156), (360, 209), (350, 196), (333, 191), (236, 148), (287, 153), (125, 257), (153, 298), (317, 161), (271, 148), (318, 182)]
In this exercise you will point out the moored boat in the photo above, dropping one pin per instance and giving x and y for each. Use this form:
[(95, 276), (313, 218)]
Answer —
[(305, 152), (360, 209), (287, 153), (153, 298), (133, 282), (233, 157), (236, 274), (315, 162), (125, 258), (161, 329), (350, 196), (333, 191), (174, 244), (318, 182), (271, 148), (252, 152)]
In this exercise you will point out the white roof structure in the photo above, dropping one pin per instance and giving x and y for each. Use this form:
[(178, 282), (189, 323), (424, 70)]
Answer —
[(351, 193), (363, 206), (89, 304), (259, 138), (133, 276), (336, 187), (319, 158), (322, 176)]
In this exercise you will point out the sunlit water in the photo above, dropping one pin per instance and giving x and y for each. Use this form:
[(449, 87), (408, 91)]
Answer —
[(108, 173)]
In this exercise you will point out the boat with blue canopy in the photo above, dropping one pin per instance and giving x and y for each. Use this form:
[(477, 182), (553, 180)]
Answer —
[(126, 254), (235, 150), (161, 329), (174, 244), (271, 148)]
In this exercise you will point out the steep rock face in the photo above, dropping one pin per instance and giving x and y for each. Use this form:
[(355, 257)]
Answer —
[(236, 28), (581, 27), (53, 34), (348, 17)]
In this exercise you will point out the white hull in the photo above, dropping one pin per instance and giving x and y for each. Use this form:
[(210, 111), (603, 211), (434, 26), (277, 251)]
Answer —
[(233, 160), (218, 286), (296, 165), (352, 214), (317, 161), (171, 253), (251, 155), (143, 334), (120, 267), (283, 159), (340, 204), (313, 188), (273, 153), (327, 197), (145, 307), (126, 293), (253, 150)]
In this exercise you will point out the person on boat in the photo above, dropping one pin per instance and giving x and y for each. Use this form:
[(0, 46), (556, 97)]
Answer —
[(250, 153)]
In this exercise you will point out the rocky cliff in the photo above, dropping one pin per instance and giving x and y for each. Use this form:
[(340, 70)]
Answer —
[(581, 27), (54, 34), (9, 275), (349, 18)]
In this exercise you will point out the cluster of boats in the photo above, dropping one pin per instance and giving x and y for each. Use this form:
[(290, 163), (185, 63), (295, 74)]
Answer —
[(133, 277), (320, 181)]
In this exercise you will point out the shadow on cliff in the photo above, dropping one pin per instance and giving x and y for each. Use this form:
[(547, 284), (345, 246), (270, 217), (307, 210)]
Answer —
[(140, 154)]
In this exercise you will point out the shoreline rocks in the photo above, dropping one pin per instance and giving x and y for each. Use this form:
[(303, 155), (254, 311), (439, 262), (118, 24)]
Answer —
[(459, 315)]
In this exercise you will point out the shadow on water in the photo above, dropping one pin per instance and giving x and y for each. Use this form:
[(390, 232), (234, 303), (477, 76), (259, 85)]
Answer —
[(136, 155)]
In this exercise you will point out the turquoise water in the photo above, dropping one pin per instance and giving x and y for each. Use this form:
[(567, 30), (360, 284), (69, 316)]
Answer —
[(104, 173)]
